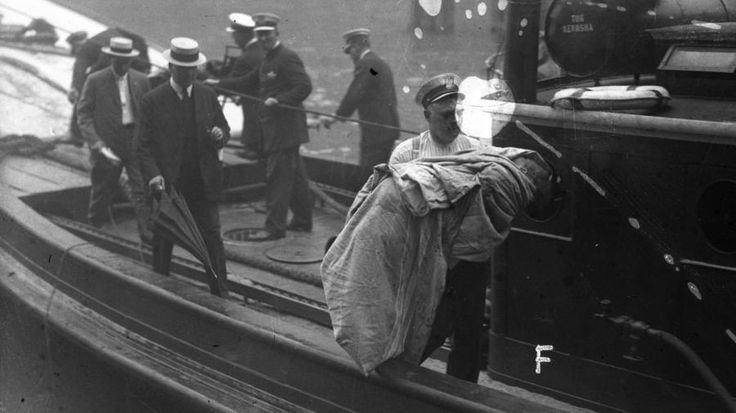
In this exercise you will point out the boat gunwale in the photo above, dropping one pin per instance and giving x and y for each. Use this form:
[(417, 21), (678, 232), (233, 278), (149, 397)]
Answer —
[(396, 376)]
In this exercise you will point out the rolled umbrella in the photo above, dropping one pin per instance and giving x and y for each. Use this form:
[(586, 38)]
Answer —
[(173, 220)]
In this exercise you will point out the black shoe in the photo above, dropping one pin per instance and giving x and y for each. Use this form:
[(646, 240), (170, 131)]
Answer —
[(147, 239), (298, 227)]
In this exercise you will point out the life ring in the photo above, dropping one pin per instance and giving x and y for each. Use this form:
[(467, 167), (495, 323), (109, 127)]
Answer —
[(634, 99)]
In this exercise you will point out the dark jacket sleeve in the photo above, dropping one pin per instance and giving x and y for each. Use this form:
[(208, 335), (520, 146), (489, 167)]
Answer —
[(86, 114), (244, 82), (144, 140), (356, 91), (300, 86)]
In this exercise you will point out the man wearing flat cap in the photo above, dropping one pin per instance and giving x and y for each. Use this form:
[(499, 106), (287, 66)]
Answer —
[(283, 85), (182, 131), (461, 309), (108, 114), (373, 94), (251, 55)]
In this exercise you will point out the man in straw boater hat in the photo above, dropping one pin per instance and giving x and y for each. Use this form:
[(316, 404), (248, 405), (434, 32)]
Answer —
[(88, 58), (251, 56), (108, 114), (461, 309), (182, 130), (283, 84), (373, 94)]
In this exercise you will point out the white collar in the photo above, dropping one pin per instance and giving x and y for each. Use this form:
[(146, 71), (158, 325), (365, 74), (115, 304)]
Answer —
[(365, 52), (115, 75), (179, 90), (250, 42)]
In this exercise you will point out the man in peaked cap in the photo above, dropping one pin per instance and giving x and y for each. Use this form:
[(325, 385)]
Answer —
[(461, 309), (438, 97), (251, 55), (108, 114), (182, 130), (372, 93), (283, 85)]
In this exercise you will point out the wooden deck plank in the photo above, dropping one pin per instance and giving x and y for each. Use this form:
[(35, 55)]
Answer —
[(34, 175)]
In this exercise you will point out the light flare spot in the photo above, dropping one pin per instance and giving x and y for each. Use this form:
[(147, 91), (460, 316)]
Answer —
[(634, 223), (694, 290), (482, 8), (406, 89), (524, 22), (521, 33), (731, 335), (652, 13), (468, 14), (431, 7), (502, 4), (622, 9), (669, 259), (418, 32)]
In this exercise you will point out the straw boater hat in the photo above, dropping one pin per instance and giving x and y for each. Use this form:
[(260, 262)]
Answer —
[(266, 21), (184, 52), (121, 47), (240, 22), (437, 88)]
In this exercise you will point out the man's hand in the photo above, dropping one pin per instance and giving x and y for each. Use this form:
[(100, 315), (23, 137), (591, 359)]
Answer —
[(216, 133), (72, 96), (156, 185), (327, 121), (271, 102)]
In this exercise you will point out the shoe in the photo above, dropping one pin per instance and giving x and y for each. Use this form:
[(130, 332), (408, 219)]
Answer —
[(298, 227), (262, 235), (248, 154), (147, 239)]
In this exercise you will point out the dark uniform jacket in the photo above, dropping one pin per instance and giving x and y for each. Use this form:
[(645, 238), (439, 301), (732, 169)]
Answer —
[(99, 113), (372, 93), (249, 60), (160, 147), (282, 76)]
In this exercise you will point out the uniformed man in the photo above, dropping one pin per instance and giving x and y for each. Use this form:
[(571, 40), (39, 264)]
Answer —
[(438, 97), (251, 55), (461, 309), (373, 94), (283, 85)]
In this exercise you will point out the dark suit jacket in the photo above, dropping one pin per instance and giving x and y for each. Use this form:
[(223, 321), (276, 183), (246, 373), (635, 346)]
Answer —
[(160, 149), (283, 77), (99, 114), (249, 60), (372, 93)]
